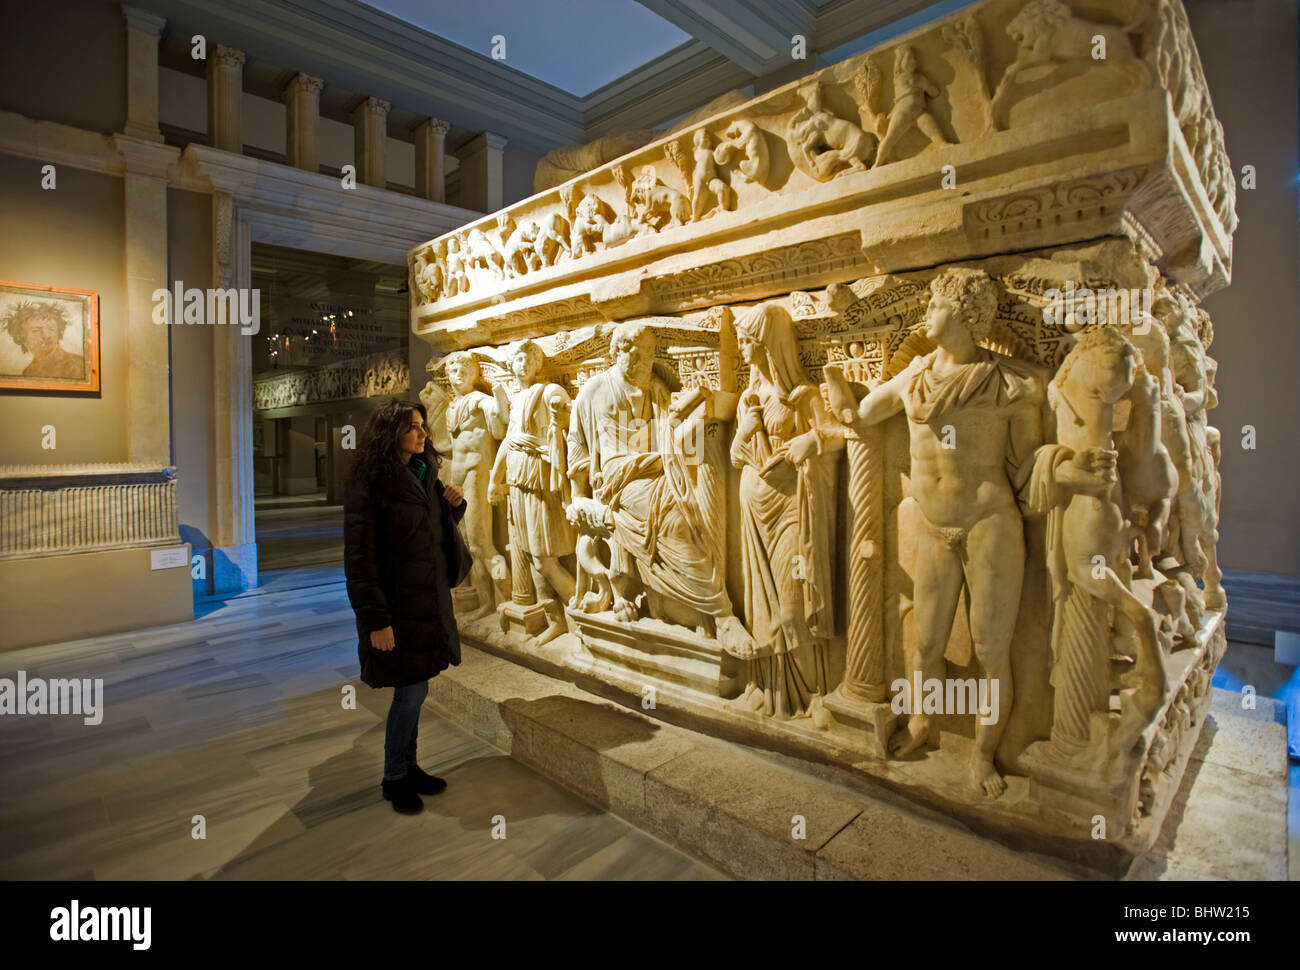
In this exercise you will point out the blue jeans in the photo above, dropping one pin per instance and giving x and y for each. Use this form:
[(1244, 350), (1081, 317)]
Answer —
[(403, 725)]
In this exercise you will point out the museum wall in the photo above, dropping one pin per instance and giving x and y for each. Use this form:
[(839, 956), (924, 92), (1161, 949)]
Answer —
[(1248, 49), (69, 236), (65, 62), (518, 164), (189, 258)]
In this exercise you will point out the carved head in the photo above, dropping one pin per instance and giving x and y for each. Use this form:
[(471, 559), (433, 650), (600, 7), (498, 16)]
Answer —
[(701, 139), (632, 346), (968, 296), (1153, 343), (462, 371), (766, 340), (1104, 360), (526, 360), (904, 60)]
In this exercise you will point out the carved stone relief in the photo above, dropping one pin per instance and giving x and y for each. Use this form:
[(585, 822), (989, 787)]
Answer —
[(952, 524)]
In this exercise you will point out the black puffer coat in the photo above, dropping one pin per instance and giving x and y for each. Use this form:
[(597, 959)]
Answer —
[(396, 568)]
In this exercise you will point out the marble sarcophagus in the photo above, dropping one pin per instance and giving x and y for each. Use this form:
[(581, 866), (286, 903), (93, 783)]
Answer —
[(868, 420)]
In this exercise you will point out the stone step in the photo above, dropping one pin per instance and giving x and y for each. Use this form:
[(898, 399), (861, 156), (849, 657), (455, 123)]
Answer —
[(752, 814), (759, 815)]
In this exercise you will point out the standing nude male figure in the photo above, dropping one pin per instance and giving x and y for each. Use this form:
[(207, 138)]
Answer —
[(475, 425), (975, 422)]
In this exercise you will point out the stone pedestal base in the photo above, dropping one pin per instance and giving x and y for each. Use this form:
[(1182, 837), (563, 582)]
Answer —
[(526, 620), (659, 653), (875, 720), (464, 599)]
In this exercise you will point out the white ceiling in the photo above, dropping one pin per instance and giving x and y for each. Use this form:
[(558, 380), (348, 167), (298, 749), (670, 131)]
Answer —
[(576, 45)]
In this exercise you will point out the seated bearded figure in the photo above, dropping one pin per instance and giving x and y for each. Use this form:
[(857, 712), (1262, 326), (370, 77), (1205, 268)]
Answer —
[(627, 451)]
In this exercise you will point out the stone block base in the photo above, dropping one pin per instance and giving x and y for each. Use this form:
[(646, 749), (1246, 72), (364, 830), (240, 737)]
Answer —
[(758, 815)]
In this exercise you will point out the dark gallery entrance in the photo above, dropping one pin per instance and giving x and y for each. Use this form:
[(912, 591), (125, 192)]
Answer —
[(333, 345)]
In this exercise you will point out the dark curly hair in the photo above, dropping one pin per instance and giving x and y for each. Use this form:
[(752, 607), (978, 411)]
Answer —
[(377, 455), (16, 320)]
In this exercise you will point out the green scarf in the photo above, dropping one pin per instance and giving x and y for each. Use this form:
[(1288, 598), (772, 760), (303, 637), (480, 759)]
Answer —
[(419, 466)]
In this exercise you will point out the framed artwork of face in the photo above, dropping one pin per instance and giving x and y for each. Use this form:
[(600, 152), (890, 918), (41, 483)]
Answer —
[(49, 338)]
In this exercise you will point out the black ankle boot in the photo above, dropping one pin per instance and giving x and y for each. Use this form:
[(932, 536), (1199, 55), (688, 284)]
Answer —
[(402, 794), (423, 782)]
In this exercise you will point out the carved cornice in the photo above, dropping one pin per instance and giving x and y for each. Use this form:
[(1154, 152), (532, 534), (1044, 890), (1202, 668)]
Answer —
[(84, 470), (146, 157), (58, 144), (283, 204), (1068, 168)]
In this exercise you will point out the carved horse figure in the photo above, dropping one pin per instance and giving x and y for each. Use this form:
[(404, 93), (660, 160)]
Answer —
[(1146, 472), (552, 239), (1087, 540), (480, 250), (518, 255)]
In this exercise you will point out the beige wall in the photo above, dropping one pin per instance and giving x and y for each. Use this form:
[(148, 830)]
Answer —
[(1248, 49), (69, 236), (65, 62)]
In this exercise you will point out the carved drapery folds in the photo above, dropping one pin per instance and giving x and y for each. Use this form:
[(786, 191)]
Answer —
[(916, 479)]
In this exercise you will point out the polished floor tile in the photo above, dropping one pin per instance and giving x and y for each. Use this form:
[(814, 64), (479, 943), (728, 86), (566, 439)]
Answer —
[(237, 726)]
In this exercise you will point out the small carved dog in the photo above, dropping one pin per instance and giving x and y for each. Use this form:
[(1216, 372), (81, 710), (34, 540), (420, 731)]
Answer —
[(593, 591)]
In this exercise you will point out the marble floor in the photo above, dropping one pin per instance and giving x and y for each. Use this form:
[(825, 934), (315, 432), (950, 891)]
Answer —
[(295, 530), (240, 717)]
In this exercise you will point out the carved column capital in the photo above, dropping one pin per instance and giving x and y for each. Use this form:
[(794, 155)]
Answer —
[(430, 159), (302, 121), (370, 137), (226, 56), (376, 107), (304, 84)]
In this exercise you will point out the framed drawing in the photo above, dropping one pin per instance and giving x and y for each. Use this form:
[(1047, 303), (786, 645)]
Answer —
[(49, 338)]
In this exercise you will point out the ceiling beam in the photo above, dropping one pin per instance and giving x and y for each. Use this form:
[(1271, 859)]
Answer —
[(680, 81), (757, 35)]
